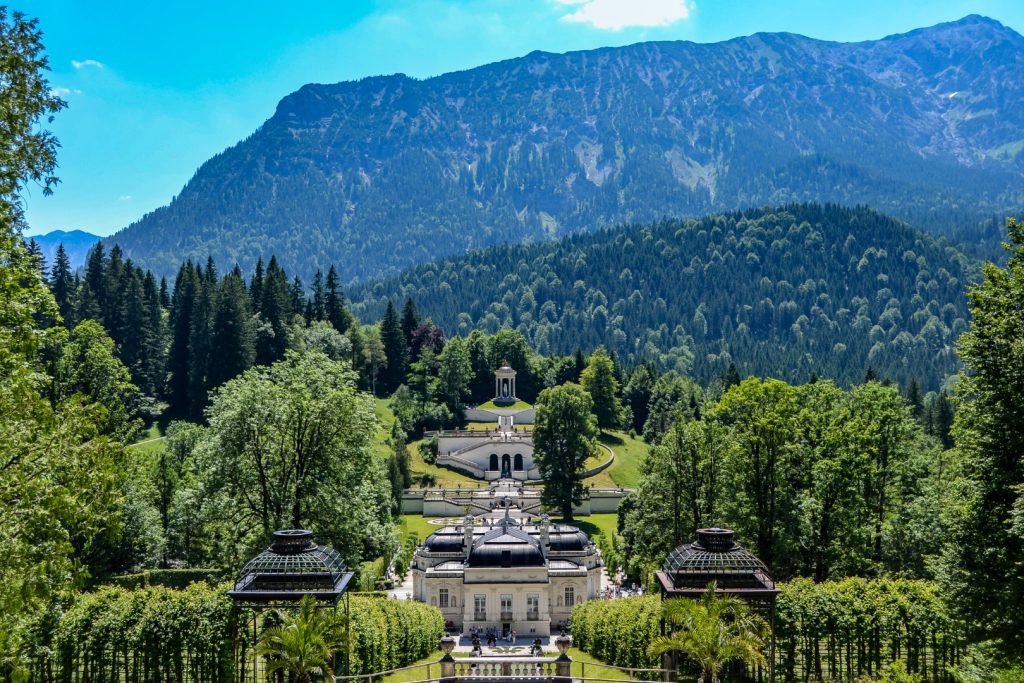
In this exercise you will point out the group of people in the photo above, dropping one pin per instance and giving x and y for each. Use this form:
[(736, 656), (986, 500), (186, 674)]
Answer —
[(491, 633)]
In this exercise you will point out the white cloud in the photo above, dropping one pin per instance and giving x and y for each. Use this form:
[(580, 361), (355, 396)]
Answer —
[(614, 15), (64, 92), (124, 198), (85, 63)]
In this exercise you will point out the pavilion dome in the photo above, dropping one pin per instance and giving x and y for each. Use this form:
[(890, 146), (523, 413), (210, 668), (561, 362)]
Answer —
[(291, 567), (716, 557)]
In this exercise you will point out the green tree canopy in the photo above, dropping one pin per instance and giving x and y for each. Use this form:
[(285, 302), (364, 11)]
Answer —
[(289, 445), (564, 436)]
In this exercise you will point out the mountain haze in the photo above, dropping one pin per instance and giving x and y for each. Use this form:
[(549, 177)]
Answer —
[(390, 171)]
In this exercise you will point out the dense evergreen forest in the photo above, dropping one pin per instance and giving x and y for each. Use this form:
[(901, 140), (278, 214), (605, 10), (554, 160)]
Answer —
[(787, 292)]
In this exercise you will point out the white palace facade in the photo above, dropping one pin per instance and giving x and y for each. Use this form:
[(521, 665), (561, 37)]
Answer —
[(506, 573)]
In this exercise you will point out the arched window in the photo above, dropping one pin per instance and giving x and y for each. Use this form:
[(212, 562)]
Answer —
[(494, 462), (518, 462)]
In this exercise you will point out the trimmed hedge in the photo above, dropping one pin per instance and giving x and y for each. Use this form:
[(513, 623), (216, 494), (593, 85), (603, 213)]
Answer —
[(618, 631), (388, 634), (168, 578), (842, 629), (837, 630), (161, 635), (150, 634)]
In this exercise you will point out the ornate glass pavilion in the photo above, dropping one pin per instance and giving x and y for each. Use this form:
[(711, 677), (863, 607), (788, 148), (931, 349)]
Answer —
[(280, 576), (716, 558)]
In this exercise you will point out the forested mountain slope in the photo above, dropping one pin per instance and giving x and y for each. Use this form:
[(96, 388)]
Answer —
[(390, 171), (781, 292)]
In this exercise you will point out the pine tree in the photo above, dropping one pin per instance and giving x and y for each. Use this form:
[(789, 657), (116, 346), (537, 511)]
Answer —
[(298, 292), (731, 376), (410, 321), (275, 313), (179, 360), (165, 295), (580, 363), (914, 399), (154, 357), (334, 303), (200, 346), (233, 348), (94, 286), (318, 303), (62, 284), (395, 349), (256, 286)]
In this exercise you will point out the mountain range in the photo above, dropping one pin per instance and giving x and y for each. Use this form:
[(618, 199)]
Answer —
[(77, 244), (386, 172)]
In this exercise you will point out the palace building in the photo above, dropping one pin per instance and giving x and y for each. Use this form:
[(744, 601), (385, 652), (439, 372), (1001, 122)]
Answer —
[(505, 452), (506, 573)]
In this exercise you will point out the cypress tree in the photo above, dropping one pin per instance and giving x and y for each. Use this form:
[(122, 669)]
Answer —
[(395, 349), (63, 285)]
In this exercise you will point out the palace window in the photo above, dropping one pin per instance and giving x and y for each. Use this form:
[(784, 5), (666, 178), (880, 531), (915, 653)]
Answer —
[(506, 607), (479, 607), (570, 596), (442, 598), (532, 607)]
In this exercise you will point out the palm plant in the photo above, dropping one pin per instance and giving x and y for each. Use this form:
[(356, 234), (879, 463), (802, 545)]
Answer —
[(712, 631), (304, 643)]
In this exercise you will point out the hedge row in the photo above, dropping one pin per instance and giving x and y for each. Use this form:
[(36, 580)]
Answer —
[(618, 631), (151, 634), (157, 635), (839, 630), (168, 578), (388, 634)]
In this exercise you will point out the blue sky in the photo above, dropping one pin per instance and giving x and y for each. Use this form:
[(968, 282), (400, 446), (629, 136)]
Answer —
[(154, 89)]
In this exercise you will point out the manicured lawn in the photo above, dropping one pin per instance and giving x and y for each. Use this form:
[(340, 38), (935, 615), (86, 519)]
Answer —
[(446, 478), (629, 454), (595, 525), (582, 663), (419, 525), (491, 405)]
